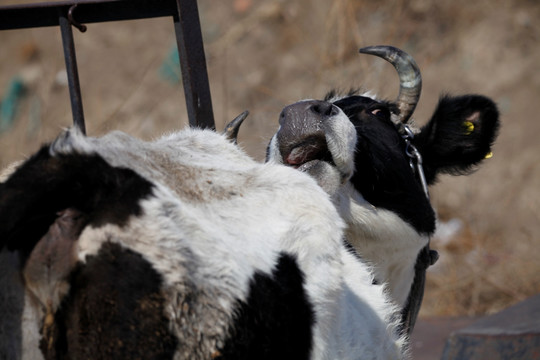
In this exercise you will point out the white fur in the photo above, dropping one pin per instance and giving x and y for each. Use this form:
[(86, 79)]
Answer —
[(383, 240), (215, 217)]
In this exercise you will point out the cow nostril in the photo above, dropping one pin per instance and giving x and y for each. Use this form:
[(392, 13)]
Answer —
[(282, 117), (322, 108)]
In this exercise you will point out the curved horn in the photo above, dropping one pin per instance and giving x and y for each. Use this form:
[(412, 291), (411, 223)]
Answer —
[(410, 80), (231, 129)]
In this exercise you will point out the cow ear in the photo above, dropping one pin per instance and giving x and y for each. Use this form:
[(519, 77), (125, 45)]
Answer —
[(459, 135)]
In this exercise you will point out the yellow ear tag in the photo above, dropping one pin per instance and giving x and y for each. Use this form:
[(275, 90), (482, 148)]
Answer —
[(469, 127), (489, 155)]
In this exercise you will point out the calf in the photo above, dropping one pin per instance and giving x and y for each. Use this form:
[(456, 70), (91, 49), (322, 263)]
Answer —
[(376, 167)]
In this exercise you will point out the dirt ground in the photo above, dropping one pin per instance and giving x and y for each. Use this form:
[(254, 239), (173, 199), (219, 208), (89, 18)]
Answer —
[(263, 55)]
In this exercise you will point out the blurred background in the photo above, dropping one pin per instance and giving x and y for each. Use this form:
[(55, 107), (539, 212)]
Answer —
[(263, 55)]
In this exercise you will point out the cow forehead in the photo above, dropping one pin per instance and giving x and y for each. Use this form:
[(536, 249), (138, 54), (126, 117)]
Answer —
[(354, 104), (356, 100)]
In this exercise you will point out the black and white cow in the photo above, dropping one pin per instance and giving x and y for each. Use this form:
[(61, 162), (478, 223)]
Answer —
[(362, 152), (179, 248)]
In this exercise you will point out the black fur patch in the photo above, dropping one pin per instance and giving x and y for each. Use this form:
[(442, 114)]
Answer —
[(383, 175), (276, 321), (31, 198), (114, 310)]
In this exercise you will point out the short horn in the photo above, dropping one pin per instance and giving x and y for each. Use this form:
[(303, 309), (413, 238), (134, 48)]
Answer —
[(232, 128), (410, 80)]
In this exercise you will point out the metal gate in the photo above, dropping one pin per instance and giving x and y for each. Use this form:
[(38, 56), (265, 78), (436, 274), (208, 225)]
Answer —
[(76, 13)]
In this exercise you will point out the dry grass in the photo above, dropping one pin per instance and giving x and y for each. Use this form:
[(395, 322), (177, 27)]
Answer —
[(271, 53), (480, 274)]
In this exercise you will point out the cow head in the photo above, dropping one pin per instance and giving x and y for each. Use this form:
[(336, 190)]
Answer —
[(361, 150)]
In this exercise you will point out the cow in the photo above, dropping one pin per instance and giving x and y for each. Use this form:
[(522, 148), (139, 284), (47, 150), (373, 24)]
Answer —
[(180, 248), (376, 166)]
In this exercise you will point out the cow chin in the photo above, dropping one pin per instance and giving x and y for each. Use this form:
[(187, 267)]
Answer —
[(327, 175)]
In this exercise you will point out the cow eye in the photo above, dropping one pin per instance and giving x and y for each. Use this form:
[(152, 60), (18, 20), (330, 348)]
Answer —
[(380, 112)]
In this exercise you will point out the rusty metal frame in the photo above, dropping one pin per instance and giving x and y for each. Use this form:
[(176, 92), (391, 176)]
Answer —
[(67, 14)]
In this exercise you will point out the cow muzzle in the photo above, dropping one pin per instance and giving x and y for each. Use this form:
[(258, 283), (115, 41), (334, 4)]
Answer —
[(301, 135), (316, 137)]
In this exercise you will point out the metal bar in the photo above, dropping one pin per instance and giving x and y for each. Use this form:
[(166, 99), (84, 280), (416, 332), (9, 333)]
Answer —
[(188, 36), (72, 72), (193, 65), (89, 11)]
